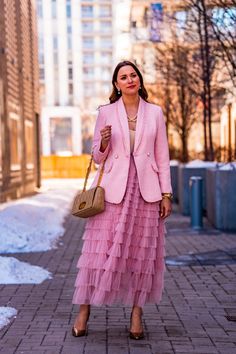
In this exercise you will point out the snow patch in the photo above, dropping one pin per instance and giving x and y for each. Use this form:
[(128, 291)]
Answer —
[(35, 223), (12, 271), (5, 315), (201, 164), (228, 167), (174, 162)]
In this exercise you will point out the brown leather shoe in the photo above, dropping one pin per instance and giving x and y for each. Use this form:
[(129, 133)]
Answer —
[(80, 332), (135, 335)]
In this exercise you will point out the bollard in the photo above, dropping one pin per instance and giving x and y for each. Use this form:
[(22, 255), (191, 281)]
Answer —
[(195, 184)]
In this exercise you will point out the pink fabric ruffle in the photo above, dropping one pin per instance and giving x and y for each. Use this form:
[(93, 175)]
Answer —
[(122, 259)]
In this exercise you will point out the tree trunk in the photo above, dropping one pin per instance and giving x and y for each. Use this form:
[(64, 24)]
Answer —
[(204, 93), (168, 100), (184, 142), (208, 80)]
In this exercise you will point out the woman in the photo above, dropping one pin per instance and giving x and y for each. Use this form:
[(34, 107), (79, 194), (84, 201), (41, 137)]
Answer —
[(122, 258)]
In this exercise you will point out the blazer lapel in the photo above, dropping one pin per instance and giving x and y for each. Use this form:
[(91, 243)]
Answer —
[(124, 125), (140, 124)]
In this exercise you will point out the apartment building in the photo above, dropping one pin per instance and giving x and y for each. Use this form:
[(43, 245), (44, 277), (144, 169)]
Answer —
[(19, 99), (148, 29), (77, 52)]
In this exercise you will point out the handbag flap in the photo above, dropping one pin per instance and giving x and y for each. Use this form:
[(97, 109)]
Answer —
[(84, 199)]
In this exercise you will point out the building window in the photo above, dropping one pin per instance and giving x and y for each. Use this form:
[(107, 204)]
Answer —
[(105, 11), (224, 18), (68, 8), (54, 9), (87, 11), (69, 42), (88, 89), (14, 143), (61, 135), (87, 26), (41, 74), (39, 8), (69, 28), (55, 58), (41, 44), (29, 143), (41, 58), (70, 73), (42, 93), (71, 89), (55, 42), (88, 73), (106, 88), (88, 42), (56, 89), (106, 74), (106, 42), (105, 26), (88, 58), (181, 18), (106, 57)]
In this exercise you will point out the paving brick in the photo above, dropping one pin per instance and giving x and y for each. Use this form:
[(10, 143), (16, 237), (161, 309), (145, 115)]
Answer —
[(72, 350), (118, 350), (189, 319)]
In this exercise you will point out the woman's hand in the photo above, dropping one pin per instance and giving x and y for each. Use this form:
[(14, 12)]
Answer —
[(106, 136), (165, 208)]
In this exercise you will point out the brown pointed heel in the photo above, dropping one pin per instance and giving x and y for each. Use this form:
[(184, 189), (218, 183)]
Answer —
[(80, 332), (136, 335)]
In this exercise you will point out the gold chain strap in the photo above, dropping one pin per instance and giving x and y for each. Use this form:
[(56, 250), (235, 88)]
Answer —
[(89, 170)]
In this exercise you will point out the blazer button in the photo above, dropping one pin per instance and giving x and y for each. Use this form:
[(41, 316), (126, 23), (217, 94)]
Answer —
[(148, 154), (116, 156)]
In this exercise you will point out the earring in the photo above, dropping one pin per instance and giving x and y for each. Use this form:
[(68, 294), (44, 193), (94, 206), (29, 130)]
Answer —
[(140, 88), (118, 91)]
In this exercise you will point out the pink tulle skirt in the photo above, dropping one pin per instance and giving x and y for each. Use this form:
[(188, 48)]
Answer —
[(122, 259)]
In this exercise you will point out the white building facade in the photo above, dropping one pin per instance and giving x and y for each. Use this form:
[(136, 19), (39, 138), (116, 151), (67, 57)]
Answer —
[(79, 45)]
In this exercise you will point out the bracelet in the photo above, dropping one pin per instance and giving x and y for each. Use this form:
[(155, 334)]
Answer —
[(167, 195)]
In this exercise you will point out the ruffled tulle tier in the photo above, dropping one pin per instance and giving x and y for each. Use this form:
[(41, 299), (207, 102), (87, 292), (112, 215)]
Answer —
[(122, 258)]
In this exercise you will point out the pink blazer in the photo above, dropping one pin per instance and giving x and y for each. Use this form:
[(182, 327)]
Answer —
[(151, 153)]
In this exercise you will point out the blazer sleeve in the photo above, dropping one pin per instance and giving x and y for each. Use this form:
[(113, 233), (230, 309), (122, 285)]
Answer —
[(99, 156), (162, 155)]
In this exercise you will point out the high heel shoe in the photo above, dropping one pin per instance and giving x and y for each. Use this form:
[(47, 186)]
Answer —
[(80, 332), (135, 335)]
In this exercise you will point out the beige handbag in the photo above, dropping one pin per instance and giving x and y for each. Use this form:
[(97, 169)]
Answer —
[(92, 201)]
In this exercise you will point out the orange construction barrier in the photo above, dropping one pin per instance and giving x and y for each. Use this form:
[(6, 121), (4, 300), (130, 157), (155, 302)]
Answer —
[(64, 166)]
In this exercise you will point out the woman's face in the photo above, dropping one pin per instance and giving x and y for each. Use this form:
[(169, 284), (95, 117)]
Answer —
[(128, 81)]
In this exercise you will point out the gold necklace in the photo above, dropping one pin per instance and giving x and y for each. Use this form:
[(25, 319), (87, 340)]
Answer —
[(132, 119)]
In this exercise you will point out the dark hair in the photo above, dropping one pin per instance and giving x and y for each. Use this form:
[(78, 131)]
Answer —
[(115, 95)]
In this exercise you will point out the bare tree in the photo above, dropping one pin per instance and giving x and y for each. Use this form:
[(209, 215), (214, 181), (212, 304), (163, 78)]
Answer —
[(200, 35), (222, 20), (215, 23), (190, 67), (176, 89)]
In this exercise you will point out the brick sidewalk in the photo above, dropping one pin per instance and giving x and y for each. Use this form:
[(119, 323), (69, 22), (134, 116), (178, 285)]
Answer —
[(190, 319)]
